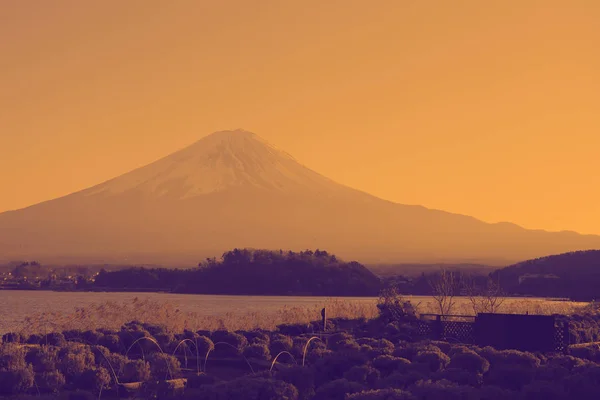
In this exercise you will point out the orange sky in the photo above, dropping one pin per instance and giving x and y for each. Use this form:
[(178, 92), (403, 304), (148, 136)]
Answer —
[(486, 108)]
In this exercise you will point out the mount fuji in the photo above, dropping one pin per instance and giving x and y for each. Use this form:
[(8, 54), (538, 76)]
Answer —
[(233, 189)]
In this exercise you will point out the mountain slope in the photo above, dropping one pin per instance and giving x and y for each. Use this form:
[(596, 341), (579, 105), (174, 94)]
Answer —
[(232, 189), (574, 274)]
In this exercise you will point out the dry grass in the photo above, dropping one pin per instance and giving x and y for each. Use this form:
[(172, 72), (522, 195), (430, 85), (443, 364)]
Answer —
[(113, 315)]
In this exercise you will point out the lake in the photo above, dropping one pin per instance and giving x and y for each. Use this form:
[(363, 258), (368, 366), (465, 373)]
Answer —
[(15, 305)]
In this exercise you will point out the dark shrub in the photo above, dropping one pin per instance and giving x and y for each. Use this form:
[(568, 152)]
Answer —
[(543, 391), (92, 337), (300, 345), (257, 351), (136, 371), (16, 381), (35, 339), (382, 394), (469, 361), (460, 377), (591, 353), (204, 345), (510, 358), (363, 374), (55, 339), (43, 358), (410, 350), (74, 360), (166, 341), (197, 380), (301, 378), (50, 382), (568, 362), (257, 337), (12, 357), (509, 377), (78, 395), (334, 366), (113, 343), (100, 353), (164, 366), (235, 343), (441, 390), (96, 379), (338, 389), (247, 389), (282, 343), (551, 373), (369, 341), (138, 341), (583, 383), (434, 360), (388, 364), (494, 393), (12, 337), (154, 330), (72, 335), (114, 362), (401, 380), (339, 337)]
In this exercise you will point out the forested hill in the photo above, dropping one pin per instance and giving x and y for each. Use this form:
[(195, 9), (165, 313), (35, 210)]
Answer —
[(575, 275), (253, 272)]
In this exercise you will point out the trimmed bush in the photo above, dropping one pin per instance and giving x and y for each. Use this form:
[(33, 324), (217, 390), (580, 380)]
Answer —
[(235, 343), (257, 351), (12, 357), (434, 360), (338, 389), (382, 394), (55, 339), (16, 381), (303, 379), (92, 337), (363, 374), (12, 337), (164, 366), (113, 343), (469, 361), (43, 358), (198, 380), (281, 343), (388, 364), (247, 389), (50, 382), (136, 371)]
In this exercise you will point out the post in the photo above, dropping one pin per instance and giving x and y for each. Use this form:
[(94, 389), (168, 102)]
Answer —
[(324, 316), (439, 328)]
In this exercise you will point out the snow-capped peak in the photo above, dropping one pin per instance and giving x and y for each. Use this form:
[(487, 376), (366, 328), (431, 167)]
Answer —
[(219, 161)]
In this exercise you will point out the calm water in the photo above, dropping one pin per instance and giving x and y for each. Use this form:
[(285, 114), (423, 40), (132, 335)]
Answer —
[(16, 304)]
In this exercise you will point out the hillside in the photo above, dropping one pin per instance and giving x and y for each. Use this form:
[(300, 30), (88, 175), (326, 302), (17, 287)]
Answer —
[(575, 275), (233, 189), (254, 272)]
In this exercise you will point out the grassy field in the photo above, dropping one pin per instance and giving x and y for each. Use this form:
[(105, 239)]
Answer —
[(113, 315)]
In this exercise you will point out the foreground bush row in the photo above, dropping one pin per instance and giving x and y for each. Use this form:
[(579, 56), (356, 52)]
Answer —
[(362, 366)]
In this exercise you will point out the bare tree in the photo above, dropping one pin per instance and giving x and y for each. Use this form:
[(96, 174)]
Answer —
[(443, 286), (484, 298)]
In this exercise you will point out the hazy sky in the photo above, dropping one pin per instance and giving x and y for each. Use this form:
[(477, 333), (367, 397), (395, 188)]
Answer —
[(486, 108)]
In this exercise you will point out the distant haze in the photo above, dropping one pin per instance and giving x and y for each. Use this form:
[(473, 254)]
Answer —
[(483, 108), (234, 189)]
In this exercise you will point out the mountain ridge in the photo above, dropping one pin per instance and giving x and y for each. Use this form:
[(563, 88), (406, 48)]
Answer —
[(234, 189)]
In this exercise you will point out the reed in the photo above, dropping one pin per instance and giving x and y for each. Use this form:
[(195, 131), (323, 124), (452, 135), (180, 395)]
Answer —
[(113, 315)]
